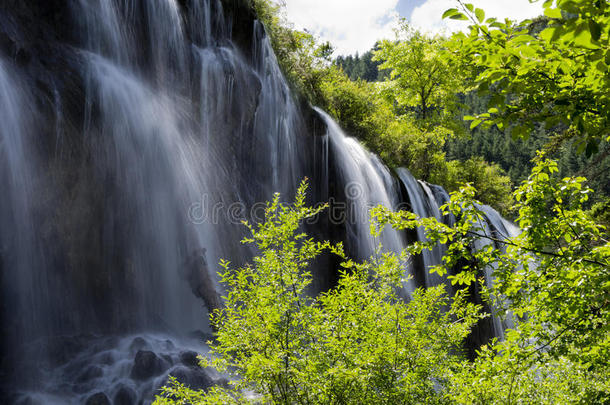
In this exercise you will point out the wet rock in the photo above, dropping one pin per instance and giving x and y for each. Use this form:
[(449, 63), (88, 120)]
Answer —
[(168, 359), (147, 364), (91, 373), (138, 344), (195, 378), (189, 358), (98, 399), (202, 336), (125, 396)]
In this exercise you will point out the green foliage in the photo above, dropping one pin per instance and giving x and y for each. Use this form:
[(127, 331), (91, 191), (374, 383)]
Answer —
[(490, 182), (302, 59), (424, 78), (554, 75), (359, 343), (362, 67), (601, 213), (362, 343), (388, 117), (553, 280)]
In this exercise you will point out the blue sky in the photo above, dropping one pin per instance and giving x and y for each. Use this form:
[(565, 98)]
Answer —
[(405, 7), (355, 25)]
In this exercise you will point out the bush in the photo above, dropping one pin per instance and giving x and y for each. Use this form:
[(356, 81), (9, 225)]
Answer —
[(360, 343)]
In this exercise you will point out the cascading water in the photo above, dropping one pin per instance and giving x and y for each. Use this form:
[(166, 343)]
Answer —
[(19, 244), (495, 228), (367, 184), (423, 203), (135, 136)]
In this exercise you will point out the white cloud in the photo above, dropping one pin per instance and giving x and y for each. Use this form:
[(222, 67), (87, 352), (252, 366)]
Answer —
[(427, 17), (355, 25), (350, 25)]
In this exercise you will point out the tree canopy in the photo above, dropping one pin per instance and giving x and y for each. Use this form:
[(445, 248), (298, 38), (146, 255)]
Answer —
[(552, 70)]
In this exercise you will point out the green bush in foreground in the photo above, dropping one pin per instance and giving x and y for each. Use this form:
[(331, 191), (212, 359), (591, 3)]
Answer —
[(553, 280), (360, 343)]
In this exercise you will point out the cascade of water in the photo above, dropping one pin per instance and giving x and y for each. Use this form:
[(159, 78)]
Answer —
[(276, 123), (150, 161), (27, 290), (442, 198), (104, 30), (368, 183), (423, 203), (492, 227)]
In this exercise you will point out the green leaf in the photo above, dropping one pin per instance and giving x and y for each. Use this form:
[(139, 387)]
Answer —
[(519, 131), (595, 29), (553, 13), (469, 6), (450, 12), (583, 39), (459, 16), (601, 67), (552, 34), (480, 14)]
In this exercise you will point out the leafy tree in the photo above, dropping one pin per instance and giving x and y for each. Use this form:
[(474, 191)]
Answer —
[(491, 184), (553, 281), (301, 57), (360, 343), (423, 77), (557, 75)]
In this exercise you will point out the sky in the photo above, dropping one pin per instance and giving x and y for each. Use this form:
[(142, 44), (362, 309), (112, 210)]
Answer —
[(355, 25)]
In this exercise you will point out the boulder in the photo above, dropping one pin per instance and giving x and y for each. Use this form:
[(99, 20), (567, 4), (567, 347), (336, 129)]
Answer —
[(146, 365), (189, 358), (194, 378), (98, 399), (125, 396), (138, 344)]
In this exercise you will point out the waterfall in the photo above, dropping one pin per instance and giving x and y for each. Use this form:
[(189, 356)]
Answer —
[(423, 202), (19, 244), (135, 137), (367, 183), (498, 228)]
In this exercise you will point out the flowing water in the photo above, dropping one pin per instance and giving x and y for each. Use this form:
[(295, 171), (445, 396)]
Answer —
[(135, 137)]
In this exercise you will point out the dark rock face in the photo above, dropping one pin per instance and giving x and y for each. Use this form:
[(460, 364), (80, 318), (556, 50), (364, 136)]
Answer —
[(125, 396), (147, 364), (196, 379), (189, 358), (98, 399)]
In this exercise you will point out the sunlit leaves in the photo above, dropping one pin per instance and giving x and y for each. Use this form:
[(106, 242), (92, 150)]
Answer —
[(554, 67), (359, 343), (554, 279)]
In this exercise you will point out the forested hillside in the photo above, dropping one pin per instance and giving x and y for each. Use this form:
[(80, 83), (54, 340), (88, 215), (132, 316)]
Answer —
[(512, 154)]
